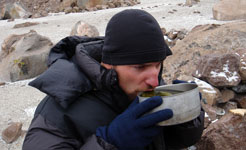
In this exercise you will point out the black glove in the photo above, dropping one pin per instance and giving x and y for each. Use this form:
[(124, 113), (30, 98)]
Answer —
[(132, 129)]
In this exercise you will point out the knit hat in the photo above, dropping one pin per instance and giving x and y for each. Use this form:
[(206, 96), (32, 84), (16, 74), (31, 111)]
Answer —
[(133, 37)]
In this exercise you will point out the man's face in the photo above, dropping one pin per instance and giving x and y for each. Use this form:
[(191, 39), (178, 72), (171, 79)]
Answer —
[(138, 78)]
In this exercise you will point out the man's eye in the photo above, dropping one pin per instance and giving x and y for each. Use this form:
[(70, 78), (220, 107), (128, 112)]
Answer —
[(139, 67)]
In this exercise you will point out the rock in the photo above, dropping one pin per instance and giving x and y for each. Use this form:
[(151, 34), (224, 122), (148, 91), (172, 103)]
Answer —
[(14, 11), (68, 3), (242, 68), (209, 93), (84, 29), (99, 7), (117, 3), (219, 70), (163, 30), (172, 34), (211, 112), (207, 121), (26, 57), (230, 10), (228, 106), (105, 6), (10, 20), (226, 95), (12, 132), (191, 2), (111, 5), (2, 83), (26, 24), (226, 133), (196, 12), (241, 88), (76, 9), (90, 3), (36, 15), (7, 45), (181, 34), (169, 42), (203, 40), (68, 10), (241, 100)]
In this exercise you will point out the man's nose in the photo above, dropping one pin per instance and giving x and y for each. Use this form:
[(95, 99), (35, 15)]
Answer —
[(152, 80)]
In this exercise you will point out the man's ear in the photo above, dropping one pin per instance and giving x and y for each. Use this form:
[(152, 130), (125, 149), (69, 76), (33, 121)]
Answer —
[(107, 66)]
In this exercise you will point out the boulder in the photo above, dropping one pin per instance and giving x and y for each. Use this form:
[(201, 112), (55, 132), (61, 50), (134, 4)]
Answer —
[(12, 132), (230, 10), (84, 29), (14, 11), (226, 95), (226, 133), (24, 56), (203, 40), (241, 88), (241, 100), (209, 93), (221, 70)]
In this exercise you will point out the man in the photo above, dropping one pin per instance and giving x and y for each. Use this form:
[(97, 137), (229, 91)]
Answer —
[(92, 86)]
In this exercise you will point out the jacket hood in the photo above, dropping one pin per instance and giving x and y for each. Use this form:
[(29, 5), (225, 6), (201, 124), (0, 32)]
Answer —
[(74, 69)]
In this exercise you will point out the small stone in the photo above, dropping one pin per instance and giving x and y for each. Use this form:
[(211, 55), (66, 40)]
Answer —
[(172, 34), (196, 12), (99, 7), (68, 10), (163, 30), (84, 29), (2, 83), (11, 20), (12, 132), (111, 5), (26, 24)]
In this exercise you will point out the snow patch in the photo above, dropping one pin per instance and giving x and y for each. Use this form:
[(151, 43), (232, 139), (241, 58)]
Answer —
[(203, 84), (233, 76), (214, 120), (208, 91)]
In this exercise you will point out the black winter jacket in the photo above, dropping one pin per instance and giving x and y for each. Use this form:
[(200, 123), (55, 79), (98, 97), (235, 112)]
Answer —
[(81, 96)]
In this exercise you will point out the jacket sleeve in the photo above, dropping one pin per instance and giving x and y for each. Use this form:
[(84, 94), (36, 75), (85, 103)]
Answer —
[(42, 135), (96, 143), (186, 134)]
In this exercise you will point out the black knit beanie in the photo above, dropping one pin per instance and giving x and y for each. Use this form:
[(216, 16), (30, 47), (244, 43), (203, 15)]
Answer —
[(133, 37)]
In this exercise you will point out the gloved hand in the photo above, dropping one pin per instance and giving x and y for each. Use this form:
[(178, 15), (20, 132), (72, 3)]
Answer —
[(132, 129)]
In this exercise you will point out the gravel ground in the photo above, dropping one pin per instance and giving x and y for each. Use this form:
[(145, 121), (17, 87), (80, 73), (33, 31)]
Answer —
[(18, 101)]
